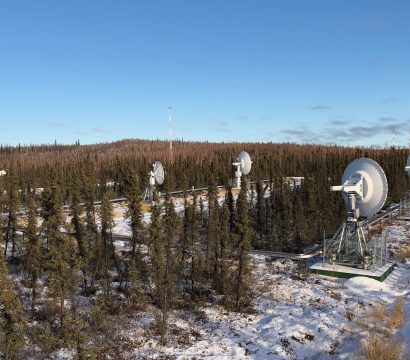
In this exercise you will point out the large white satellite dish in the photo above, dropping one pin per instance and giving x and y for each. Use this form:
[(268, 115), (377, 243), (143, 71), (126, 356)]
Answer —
[(243, 166), (408, 166), (364, 188), (158, 173), (156, 176)]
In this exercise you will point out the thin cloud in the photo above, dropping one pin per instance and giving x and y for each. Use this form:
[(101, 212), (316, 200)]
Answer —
[(301, 135), (294, 132), (330, 134), (337, 122), (364, 131), (320, 107)]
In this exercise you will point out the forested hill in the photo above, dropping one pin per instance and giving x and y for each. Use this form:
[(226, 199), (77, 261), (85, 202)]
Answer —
[(195, 163)]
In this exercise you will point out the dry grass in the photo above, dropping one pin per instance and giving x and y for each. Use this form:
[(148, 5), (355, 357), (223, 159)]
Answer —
[(382, 348), (380, 344), (403, 253), (397, 316), (379, 312)]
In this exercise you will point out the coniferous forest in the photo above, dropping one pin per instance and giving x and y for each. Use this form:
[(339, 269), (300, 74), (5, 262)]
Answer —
[(62, 280)]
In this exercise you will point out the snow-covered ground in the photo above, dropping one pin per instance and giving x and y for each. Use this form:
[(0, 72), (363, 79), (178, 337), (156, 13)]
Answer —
[(294, 316)]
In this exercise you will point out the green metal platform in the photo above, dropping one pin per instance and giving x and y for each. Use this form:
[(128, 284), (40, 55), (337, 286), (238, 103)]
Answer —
[(345, 272)]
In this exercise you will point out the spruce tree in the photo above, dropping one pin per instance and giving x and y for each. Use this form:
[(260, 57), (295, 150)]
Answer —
[(134, 263), (212, 239), (224, 245), (13, 205), (77, 213), (171, 226), (231, 206), (62, 261), (107, 251), (300, 225), (260, 211), (135, 215), (286, 231), (184, 235), (242, 275), (82, 236), (12, 319), (93, 238), (32, 258), (156, 245), (195, 256), (51, 208)]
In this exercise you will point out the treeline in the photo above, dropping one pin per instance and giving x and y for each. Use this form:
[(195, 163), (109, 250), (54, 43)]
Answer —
[(195, 164)]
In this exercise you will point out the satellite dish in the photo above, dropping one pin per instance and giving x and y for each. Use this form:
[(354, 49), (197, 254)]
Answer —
[(158, 172), (243, 166), (408, 166), (156, 175), (364, 187), (245, 161)]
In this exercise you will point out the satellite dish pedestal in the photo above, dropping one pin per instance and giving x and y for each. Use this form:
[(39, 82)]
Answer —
[(155, 176), (238, 174), (364, 190), (407, 168), (243, 166)]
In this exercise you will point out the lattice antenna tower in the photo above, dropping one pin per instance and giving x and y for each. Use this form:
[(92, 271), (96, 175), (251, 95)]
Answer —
[(170, 151)]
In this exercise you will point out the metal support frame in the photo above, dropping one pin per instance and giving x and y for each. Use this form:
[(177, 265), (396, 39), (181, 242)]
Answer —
[(147, 196), (348, 246)]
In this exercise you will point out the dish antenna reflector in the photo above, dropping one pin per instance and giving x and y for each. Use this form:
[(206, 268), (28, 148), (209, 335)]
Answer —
[(408, 166), (243, 166), (156, 176), (364, 189)]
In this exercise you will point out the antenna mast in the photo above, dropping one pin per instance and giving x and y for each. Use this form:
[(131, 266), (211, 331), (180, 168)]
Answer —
[(170, 153)]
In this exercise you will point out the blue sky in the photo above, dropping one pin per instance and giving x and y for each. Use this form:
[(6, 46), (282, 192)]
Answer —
[(298, 71)]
